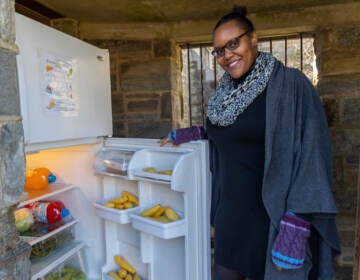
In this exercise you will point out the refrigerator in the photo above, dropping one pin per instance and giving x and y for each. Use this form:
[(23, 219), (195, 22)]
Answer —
[(65, 97)]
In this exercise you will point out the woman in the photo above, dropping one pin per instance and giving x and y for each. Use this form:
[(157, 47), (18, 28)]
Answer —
[(270, 159)]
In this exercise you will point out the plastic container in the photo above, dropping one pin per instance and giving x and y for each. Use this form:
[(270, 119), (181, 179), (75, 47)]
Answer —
[(113, 161), (112, 214), (45, 247), (47, 211), (163, 230), (71, 268), (39, 178)]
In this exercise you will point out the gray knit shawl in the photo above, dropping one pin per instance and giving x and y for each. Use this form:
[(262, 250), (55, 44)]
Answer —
[(232, 98)]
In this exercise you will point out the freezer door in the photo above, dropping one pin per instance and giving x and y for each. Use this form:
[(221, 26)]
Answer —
[(64, 85)]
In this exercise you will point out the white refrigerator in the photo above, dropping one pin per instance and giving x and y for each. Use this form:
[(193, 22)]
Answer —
[(65, 99)]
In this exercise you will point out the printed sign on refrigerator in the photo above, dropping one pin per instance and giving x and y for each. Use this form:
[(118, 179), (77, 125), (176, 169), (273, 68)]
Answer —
[(57, 77)]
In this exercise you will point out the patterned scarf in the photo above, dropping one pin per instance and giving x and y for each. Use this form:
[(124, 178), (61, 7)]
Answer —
[(232, 98)]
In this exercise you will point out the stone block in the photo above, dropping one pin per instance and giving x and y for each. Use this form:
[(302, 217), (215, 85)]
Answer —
[(338, 173), (146, 106), (345, 141), (113, 81), (126, 49), (331, 107), (149, 129), (347, 238), (348, 85), (117, 103), (12, 161), (166, 106), (9, 93), (351, 176), (67, 25), (355, 159), (119, 128), (145, 76), (162, 48), (344, 271), (346, 202), (351, 117)]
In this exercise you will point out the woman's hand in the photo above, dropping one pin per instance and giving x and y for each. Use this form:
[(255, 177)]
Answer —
[(164, 140)]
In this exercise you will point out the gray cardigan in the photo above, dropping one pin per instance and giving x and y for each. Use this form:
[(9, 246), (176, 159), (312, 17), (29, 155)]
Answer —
[(298, 167)]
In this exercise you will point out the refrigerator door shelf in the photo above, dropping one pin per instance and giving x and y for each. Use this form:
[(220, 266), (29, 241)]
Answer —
[(152, 177), (115, 215), (155, 158), (162, 230)]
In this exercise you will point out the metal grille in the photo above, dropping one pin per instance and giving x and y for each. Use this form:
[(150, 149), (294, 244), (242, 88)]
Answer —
[(201, 72)]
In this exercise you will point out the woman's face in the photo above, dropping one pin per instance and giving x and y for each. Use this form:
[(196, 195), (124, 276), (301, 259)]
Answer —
[(238, 61)]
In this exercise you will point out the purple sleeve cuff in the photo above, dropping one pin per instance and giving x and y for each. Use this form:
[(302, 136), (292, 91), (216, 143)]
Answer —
[(289, 249), (188, 134)]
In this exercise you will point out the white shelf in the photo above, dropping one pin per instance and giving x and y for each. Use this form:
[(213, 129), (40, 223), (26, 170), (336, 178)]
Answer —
[(53, 189), (152, 177), (40, 268), (115, 215), (162, 230), (32, 240)]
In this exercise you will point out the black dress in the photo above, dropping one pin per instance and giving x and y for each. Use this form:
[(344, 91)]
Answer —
[(238, 214)]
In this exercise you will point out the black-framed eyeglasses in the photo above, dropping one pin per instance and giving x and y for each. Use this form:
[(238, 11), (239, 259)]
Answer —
[(231, 45)]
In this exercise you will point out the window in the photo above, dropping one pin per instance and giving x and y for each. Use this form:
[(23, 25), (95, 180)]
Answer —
[(201, 73)]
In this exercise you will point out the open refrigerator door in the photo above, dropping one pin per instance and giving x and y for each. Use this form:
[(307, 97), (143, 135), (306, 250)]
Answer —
[(163, 177)]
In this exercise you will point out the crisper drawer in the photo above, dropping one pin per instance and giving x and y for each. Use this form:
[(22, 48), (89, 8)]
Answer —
[(70, 268)]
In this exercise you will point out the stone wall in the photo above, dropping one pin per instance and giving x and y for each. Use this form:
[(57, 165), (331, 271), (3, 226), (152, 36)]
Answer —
[(338, 60), (141, 85), (14, 253)]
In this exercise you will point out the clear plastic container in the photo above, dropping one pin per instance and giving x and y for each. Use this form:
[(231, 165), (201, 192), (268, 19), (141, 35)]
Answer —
[(73, 268), (46, 247), (113, 161)]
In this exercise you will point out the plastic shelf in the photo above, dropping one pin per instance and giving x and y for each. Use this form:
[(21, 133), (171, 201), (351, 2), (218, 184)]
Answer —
[(116, 215), (53, 189), (162, 230), (32, 240)]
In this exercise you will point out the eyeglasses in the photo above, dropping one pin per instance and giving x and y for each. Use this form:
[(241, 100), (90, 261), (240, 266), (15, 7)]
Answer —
[(231, 45)]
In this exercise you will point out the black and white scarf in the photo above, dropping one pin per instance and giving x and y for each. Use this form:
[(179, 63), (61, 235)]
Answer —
[(232, 98)]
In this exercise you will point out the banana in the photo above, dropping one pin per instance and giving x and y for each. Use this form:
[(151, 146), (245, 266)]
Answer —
[(128, 205), (150, 169), (171, 214), (119, 206), (109, 204), (151, 211), (131, 197), (162, 219), (129, 277), (122, 262), (159, 212), (166, 172), (136, 277), (119, 199), (113, 275), (122, 273)]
